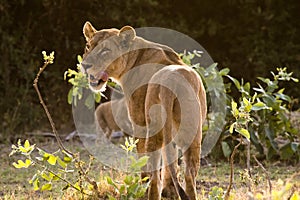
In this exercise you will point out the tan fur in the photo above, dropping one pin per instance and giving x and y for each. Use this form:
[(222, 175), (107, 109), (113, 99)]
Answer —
[(113, 120), (184, 107)]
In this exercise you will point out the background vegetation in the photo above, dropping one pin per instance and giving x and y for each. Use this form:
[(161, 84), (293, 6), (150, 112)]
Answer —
[(251, 37)]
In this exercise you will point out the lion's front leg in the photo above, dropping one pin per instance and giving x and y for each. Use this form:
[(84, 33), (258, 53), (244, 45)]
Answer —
[(136, 109)]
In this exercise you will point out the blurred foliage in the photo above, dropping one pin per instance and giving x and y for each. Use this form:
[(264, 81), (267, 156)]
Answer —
[(252, 36)]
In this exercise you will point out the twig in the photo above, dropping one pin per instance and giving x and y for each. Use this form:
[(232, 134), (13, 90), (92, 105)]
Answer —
[(62, 179), (267, 174), (227, 194), (248, 157), (61, 146), (84, 173), (35, 85), (248, 164)]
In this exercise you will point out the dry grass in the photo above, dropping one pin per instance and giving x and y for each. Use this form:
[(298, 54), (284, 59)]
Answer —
[(14, 182)]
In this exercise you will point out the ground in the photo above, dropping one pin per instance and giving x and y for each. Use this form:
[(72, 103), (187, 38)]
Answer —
[(14, 182)]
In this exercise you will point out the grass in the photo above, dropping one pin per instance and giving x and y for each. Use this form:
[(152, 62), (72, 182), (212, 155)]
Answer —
[(14, 182)]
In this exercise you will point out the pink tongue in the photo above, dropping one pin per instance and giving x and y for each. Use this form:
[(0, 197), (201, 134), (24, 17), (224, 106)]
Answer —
[(103, 76)]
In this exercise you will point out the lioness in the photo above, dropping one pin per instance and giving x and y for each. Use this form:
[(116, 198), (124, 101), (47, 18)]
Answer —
[(112, 120), (165, 98)]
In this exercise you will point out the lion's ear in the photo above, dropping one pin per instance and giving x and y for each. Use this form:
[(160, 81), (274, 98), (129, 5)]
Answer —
[(127, 34), (88, 31)]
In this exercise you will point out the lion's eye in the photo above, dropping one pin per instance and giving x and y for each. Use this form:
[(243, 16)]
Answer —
[(104, 51)]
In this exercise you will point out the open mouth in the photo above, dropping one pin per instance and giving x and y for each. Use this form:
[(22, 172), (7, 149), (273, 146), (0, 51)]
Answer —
[(98, 81)]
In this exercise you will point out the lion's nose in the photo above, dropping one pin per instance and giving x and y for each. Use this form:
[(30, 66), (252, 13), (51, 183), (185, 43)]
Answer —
[(86, 66), (92, 77)]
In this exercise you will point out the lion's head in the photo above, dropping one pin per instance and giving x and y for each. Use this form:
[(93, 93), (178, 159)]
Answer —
[(105, 53)]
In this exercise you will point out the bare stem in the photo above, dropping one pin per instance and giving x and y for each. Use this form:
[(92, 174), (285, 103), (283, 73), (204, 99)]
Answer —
[(267, 174), (61, 146), (35, 85), (227, 195), (59, 177)]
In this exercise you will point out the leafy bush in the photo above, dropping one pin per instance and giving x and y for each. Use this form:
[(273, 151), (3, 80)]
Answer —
[(51, 167), (270, 127), (79, 82), (263, 115), (132, 186), (61, 166)]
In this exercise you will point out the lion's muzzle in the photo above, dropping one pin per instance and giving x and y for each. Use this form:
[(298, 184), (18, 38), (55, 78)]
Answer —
[(98, 79)]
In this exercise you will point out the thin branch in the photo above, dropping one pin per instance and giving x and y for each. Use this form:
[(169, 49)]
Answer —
[(85, 175), (61, 178), (35, 85), (267, 174), (227, 194), (248, 143), (61, 146)]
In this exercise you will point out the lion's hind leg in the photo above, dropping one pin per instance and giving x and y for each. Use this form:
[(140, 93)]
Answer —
[(192, 165), (169, 152)]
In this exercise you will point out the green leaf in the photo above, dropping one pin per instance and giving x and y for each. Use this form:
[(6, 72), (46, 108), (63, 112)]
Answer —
[(22, 164), (77, 186), (22, 149), (19, 142), (111, 182), (224, 72), (70, 96), (79, 58), (54, 177), (234, 111), (123, 147), (52, 159), (128, 180), (36, 184), (45, 176), (79, 93), (26, 144), (35, 176), (89, 101), (97, 97), (145, 179), (260, 106), (126, 143), (226, 149), (47, 186), (244, 132), (122, 189), (67, 159), (27, 148), (141, 162), (111, 197), (232, 127), (61, 163), (132, 189), (247, 105), (247, 87), (286, 151), (284, 97), (44, 154), (235, 81), (271, 136)]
